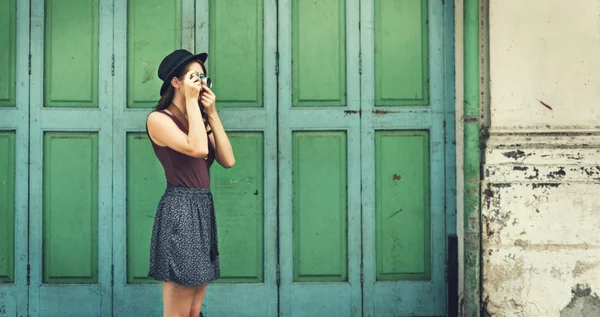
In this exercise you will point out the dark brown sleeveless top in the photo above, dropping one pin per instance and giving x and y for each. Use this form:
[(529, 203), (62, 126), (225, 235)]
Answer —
[(180, 169)]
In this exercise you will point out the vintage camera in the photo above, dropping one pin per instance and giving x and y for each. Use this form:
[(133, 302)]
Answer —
[(205, 79)]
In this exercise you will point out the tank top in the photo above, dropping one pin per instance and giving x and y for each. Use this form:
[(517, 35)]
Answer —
[(180, 169)]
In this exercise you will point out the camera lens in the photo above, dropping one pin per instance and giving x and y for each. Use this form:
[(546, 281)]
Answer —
[(203, 78)]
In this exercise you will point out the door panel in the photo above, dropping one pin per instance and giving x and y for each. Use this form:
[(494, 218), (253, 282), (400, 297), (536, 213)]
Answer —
[(403, 159), (319, 205), (139, 182), (319, 159), (14, 169), (7, 206), (148, 41), (401, 52), (318, 57), (71, 80), (145, 185), (70, 223), (241, 221), (240, 39), (402, 213), (8, 32), (71, 111), (236, 45), (8, 260)]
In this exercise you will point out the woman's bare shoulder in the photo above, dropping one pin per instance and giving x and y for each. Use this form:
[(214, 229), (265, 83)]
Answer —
[(157, 116)]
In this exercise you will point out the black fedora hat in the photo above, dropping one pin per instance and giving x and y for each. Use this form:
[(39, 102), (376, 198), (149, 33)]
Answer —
[(172, 62)]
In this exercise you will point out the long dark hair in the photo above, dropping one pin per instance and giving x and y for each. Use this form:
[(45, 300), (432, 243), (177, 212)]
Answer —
[(165, 100)]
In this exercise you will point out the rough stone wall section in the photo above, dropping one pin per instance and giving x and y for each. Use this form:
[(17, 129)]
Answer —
[(541, 225)]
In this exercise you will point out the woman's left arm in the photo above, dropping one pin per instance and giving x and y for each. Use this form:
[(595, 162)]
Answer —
[(218, 138), (220, 142)]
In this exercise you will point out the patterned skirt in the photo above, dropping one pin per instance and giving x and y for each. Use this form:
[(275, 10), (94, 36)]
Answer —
[(184, 246)]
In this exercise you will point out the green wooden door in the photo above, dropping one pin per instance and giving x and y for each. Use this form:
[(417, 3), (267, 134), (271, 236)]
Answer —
[(70, 252), (144, 32), (362, 158), (14, 138), (241, 39), (337, 112), (403, 157), (319, 158), (241, 63)]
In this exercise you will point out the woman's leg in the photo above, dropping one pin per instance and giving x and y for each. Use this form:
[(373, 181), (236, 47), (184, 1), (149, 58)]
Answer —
[(198, 298), (177, 299)]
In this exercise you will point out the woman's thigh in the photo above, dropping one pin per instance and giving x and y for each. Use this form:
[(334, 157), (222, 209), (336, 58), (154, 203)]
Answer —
[(177, 299)]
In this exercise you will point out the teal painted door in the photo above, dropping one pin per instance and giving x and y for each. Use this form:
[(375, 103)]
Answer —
[(337, 111), (241, 48), (14, 138), (319, 158), (403, 158), (138, 178), (70, 225), (362, 158), (241, 39)]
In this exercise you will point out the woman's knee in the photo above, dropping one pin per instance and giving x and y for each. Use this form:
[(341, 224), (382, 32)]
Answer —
[(198, 299), (194, 312), (177, 300)]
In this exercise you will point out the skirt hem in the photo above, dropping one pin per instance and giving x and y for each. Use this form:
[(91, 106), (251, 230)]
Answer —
[(180, 282)]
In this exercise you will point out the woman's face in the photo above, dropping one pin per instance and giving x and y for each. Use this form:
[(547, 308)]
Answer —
[(194, 67)]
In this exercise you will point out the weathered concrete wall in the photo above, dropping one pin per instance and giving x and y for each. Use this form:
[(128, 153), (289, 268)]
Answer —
[(541, 187), (541, 224)]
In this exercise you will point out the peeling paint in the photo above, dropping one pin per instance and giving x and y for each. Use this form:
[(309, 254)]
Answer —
[(536, 175), (514, 154), (576, 157), (496, 217), (539, 221), (540, 236), (382, 111), (582, 304), (557, 174), (545, 185)]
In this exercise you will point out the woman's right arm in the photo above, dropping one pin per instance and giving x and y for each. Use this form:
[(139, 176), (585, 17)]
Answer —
[(165, 132)]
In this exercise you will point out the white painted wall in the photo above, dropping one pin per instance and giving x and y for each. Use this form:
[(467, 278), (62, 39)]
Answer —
[(541, 188), (545, 50)]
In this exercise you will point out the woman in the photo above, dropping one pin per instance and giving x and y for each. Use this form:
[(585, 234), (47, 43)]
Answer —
[(186, 140)]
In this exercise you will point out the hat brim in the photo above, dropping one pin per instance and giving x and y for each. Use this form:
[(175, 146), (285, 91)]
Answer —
[(202, 57)]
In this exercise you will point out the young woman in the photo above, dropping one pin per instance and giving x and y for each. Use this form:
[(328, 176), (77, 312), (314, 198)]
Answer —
[(187, 136)]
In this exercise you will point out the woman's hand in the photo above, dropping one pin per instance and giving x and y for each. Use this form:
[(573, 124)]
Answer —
[(192, 86), (208, 100)]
